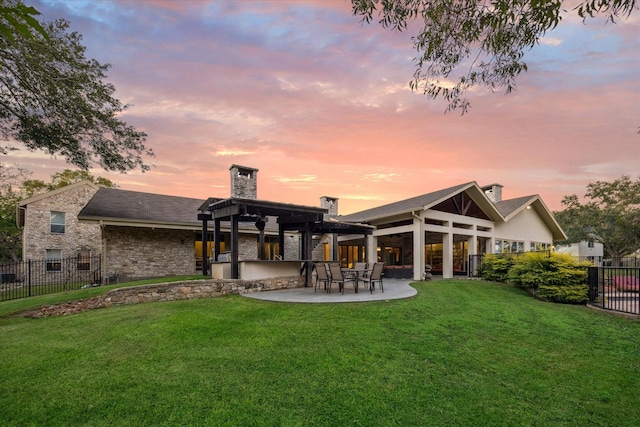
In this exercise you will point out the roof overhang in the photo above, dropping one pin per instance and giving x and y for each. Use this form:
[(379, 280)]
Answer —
[(476, 194)]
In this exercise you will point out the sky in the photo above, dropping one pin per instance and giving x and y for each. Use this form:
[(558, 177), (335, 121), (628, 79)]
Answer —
[(320, 104)]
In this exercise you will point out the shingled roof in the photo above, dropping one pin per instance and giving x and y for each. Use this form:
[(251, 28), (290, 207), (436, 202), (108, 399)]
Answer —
[(424, 201), (507, 207), (115, 205)]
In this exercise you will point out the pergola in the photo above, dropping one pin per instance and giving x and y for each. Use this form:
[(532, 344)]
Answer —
[(307, 220)]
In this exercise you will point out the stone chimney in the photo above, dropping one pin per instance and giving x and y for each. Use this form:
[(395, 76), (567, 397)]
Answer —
[(493, 192), (330, 203), (244, 182)]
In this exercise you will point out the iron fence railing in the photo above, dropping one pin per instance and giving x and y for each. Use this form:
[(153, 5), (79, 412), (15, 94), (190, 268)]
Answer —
[(615, 288), (47, 276)]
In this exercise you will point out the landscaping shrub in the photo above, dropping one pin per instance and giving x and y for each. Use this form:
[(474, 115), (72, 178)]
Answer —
[(495, 267), (532, 269), (575, 294), (553, 276)]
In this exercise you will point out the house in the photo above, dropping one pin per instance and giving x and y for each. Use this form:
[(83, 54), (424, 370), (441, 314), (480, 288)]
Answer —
[(592, 251), (150, 235), (445, 228), (50, 226)]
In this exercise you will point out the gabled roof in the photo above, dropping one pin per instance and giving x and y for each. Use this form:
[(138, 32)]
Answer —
[(123, 207), (512, 207), (20, 214), (425, 201), (55, 192)]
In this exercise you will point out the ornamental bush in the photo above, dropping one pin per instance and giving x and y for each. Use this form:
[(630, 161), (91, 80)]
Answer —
[(553, 276), (533, 269), (495, 267), (577, 294)]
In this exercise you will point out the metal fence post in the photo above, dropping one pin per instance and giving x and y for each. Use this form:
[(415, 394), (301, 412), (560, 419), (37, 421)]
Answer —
[(29, 276), (593, 283)]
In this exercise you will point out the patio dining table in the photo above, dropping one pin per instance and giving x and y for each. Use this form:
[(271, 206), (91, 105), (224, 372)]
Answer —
[(354, 273)]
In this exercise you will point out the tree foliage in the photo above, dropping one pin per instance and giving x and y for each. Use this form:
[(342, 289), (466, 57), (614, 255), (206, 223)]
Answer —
[(465, 43), (19, 18), (10, 235), (609, 215), (53, 98)]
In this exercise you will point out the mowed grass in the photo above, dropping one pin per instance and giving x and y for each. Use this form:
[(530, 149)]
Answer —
[(465, 353)]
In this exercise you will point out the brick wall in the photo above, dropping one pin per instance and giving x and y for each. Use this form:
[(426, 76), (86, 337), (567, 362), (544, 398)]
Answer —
[(135, 253), (37, 236)]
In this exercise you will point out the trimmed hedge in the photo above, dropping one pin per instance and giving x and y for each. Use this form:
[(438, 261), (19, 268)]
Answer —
[(553, 276)]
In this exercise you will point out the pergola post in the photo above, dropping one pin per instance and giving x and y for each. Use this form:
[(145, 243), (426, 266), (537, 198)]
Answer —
[(235, 273), (205, 218)]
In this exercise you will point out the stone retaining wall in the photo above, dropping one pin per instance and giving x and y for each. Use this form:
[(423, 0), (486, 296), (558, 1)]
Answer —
[(193, 289)]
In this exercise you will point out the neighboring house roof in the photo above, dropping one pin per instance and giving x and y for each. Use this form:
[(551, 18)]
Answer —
[(113, 206), (426, 201), (23, 203)]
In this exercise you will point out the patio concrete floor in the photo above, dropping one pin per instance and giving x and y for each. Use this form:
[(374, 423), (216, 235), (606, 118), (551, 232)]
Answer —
[(393, 289)]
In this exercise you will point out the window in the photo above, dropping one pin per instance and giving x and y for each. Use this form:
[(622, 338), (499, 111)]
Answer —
[(54, 260), (590, 245), (84, 260), (57, 222), (539, 246), (509, 246)]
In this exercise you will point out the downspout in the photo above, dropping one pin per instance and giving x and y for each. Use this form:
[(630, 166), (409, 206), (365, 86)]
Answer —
[(103, 266)]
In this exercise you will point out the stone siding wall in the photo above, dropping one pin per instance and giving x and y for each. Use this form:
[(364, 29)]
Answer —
[(247, 246), (195, 289), (37, 229), (291, 247), (136, 253)]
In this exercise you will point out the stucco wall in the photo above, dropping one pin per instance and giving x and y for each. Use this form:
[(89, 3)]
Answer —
[(37, 236), (134, 253), (527, 226)]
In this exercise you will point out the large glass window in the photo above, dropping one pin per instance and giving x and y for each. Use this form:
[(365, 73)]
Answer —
[(271, 247), (57, 222), (54, 259), (350, 255), (392, 256), (84, 260)]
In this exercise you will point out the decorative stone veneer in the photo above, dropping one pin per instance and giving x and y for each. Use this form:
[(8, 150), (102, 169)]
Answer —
[(37, 234), (135, 253), (247, 246), (195, 289)]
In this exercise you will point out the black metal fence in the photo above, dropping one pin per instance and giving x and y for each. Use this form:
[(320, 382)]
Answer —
[(40, 277), (615, 288)]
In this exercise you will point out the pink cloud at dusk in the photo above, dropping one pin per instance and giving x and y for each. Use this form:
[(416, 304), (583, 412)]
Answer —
[(321, 105)]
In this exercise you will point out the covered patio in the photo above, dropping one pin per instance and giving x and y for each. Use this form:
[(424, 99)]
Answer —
[(306, 220)]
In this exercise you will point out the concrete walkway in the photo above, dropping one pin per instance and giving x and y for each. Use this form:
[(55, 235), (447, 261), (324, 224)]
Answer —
[(393, 289)]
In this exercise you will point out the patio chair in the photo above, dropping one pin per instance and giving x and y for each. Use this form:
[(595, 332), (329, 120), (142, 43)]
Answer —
[(322, 276), (376, 276), (337, 277), (361, 267)]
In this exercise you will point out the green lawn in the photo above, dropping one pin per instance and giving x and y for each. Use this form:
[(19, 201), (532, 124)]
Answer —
[(465, 353)]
